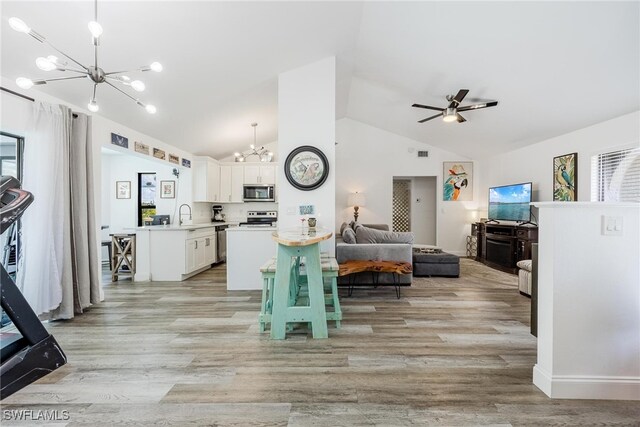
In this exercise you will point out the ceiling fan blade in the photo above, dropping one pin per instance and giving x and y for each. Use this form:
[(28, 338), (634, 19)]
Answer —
[(430, 118), (428, 107), (478, 106), (458, 98), (460, 118)]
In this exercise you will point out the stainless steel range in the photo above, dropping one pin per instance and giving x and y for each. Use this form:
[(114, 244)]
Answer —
[(260, 219)]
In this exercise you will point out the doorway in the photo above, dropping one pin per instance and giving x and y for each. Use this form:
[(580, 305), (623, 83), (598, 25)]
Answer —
[(415, 207)]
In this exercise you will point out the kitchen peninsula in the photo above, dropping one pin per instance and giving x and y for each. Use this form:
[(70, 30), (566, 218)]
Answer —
[(175, 253), (248, 247)]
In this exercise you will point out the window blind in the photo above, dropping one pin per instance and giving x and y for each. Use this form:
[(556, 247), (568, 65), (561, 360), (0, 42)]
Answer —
[(615, 176)]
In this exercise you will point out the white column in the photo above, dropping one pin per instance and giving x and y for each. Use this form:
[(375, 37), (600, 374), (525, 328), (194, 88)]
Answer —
[(306, 116), (588, 301)]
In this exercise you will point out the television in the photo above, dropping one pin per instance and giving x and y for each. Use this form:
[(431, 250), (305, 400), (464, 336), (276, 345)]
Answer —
[(510, 202)]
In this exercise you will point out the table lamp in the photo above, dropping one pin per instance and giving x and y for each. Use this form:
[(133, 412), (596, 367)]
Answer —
[(356, 200)]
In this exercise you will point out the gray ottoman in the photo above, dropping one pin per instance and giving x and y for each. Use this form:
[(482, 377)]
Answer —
[(435, 264)]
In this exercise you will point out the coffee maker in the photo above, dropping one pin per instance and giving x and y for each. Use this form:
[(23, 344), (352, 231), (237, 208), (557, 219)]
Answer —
[(217, 216)]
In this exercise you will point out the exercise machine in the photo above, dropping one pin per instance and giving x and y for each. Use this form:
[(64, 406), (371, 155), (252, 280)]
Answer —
[(33, 352)]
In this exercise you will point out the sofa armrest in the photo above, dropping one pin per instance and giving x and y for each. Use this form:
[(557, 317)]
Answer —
[(374, 251)]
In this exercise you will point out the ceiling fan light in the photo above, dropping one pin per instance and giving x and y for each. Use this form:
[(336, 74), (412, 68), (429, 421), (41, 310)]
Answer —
[(45, 64), (236, 154), (156, 66), (19, 25), (151, 109), (95, 29), (450, 115), (93, 106), (137, 85), (24, 83)]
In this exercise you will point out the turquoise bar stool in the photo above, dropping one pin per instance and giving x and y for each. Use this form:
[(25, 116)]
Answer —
[(293, 245), (330, 270)]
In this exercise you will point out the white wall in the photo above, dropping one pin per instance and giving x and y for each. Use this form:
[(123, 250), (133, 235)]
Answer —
[(588, 302), (123, 213), (367, 159), (535, 162), (306, 116)]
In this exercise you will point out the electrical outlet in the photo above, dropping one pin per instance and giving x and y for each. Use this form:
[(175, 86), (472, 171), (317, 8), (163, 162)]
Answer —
[(612, 225)]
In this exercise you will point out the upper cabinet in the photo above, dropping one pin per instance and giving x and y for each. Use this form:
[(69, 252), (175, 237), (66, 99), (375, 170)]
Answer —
[(206, 180), (217, 183), (260, 174), (231, 182)]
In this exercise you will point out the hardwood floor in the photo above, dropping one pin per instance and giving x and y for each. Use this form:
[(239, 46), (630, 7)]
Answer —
[(449, 352)]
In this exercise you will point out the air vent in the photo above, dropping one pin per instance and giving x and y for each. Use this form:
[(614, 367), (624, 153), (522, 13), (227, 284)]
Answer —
[(423, 154)]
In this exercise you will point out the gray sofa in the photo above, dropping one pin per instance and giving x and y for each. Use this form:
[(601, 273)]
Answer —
[(374, 251)]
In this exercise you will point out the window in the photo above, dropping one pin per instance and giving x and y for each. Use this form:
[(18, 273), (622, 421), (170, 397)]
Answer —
[(146, 198), (615, 176), (11, 155)]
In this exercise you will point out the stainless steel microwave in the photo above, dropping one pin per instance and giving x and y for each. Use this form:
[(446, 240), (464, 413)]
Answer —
[(259, 193)]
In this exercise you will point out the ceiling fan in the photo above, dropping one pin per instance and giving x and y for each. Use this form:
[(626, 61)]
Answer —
[(452, 112)]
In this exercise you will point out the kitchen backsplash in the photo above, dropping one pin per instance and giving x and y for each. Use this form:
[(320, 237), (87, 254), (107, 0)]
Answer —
[(233, 212)]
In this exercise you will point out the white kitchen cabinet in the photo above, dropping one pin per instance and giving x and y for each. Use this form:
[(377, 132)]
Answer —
[(169, 254), (231, 182), (199, 252), (206, 180), (260, 174)]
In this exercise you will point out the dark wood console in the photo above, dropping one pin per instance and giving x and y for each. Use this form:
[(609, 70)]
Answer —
[(501, 246)]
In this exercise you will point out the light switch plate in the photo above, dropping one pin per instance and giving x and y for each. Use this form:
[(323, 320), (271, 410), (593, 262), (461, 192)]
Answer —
[(612, 225)]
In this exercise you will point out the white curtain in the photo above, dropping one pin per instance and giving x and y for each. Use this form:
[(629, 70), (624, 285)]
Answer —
[(54, 279)]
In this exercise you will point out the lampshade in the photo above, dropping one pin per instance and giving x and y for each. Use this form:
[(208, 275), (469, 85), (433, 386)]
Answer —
[(356, 199)]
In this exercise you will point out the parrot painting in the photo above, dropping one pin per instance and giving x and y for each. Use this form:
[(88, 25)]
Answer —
[(455, 182), (565, 184)]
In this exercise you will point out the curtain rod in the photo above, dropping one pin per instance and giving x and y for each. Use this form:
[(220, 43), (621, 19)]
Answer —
[(4, 89)]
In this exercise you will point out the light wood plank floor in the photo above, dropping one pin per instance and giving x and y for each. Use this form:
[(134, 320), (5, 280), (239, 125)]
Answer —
[(449, 352)]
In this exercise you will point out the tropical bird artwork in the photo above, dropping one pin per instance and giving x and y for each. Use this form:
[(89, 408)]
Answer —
[(457, 183), (564, 183)]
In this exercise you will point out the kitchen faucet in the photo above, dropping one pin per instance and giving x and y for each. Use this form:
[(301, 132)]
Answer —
[(180, 211)]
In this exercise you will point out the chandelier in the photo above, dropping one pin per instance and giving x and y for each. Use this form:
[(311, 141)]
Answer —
[(93, 72), (264, 154)]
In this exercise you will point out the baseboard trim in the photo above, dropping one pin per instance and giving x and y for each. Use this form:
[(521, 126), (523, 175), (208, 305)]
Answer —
[(586, 387)]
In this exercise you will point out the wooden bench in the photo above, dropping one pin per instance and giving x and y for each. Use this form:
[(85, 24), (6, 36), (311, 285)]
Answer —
[(396, 268)]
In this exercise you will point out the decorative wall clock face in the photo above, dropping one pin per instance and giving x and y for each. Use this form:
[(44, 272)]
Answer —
[(306, 168)]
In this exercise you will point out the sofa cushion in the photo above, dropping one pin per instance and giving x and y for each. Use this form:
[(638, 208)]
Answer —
[(348, 236), (371, 235), (342, 227)]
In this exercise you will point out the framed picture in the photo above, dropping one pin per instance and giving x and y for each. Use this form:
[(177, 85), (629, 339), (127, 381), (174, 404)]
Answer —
[(119, 140), (159, 154), (167, 189), (565, 178), (123, 189), (457, 179), (186, 163), (306, 168), (142, 148), (174, 159)]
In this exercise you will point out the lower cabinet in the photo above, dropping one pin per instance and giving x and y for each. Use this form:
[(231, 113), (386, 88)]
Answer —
[(199, 252)]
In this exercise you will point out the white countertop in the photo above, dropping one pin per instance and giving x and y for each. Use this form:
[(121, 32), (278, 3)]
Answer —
[(184, 227), (254, 228)]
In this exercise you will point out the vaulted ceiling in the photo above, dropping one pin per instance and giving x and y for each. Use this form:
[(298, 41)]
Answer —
[(553, 66)]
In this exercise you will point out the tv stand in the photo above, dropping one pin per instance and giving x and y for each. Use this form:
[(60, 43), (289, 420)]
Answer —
[(501, 246)]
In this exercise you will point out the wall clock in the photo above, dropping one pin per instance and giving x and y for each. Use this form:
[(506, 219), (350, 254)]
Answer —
[(306, 168)]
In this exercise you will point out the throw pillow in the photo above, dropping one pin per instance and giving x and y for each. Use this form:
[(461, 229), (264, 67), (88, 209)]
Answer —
[(349, 236), (342, 227), (370, 235)]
